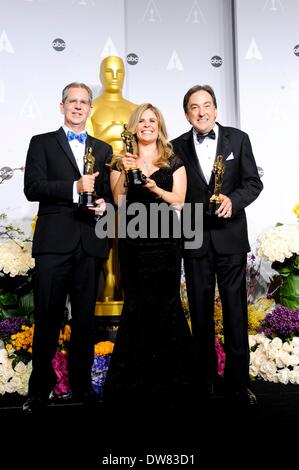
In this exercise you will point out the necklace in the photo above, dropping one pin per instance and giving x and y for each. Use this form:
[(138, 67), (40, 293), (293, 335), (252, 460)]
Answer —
[(146, 165)]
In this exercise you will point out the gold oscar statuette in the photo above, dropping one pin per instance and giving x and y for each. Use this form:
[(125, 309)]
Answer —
[(110, 110), (218, 171), (87, 199), (128, 139), (134, 176)]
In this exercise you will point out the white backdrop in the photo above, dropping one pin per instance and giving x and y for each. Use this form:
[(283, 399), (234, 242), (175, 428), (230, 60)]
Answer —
[(248, 51)]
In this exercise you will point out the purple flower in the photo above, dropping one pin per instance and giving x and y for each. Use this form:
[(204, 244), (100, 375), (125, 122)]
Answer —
[(10, 326), (282, 322), (220, 357), (60, 366), (99, 371)]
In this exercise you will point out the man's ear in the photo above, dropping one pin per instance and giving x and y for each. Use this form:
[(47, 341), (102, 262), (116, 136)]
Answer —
[(187, 117)]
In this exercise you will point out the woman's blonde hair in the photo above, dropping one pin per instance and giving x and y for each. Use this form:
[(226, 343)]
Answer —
[(164, 147)]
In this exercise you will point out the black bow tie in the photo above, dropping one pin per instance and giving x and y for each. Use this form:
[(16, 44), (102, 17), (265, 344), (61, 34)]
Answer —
[(201, 137)]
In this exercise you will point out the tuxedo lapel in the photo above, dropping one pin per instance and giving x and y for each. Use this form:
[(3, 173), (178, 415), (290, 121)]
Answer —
[(61, 137), (191, 155), (223, 148), (223, 144)]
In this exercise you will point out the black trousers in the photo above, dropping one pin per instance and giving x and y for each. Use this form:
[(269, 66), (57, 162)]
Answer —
[(57, 275), (230, 273)]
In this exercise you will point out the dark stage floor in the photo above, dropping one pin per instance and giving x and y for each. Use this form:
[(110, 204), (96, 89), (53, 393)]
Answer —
[(190, 434)]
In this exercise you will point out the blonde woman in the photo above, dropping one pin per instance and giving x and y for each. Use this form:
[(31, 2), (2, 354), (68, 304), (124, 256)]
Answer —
[(153, 349)]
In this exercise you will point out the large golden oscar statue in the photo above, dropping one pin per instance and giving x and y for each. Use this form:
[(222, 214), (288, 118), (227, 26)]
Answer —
[(110, 111)]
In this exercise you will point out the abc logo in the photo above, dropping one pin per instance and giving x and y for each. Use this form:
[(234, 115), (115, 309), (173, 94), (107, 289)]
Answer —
[(58, 44), (260, 171), (5, 173), (296, 50), (132, 59), (216, 61)]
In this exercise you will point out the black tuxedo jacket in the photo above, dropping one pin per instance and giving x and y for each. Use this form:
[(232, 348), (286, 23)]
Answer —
[(50, 172), (241, 183)]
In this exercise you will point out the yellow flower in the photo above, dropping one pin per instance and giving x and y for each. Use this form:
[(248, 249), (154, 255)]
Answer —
[(23, 339), (103, 347), (296, 210), (33, 223)]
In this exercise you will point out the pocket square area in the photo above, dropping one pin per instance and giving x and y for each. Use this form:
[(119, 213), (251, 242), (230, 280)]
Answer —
[(230, 157)]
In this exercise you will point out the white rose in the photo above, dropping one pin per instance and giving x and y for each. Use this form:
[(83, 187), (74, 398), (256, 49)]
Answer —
[(258, 357), (273, 353), (283, 375), (294, 360), (253, 370), (294, 376), (272, 377), (285, 358), (251, 340), (280, 364), (276, 343), (3, 355), (21, 368), (261, 338), (287, 347), (268, 367)]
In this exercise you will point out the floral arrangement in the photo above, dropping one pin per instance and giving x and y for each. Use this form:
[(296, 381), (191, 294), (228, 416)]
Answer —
[(16, 268), (15, 253), (280, 245), (15, 257), (220, 357), (103, 351), (99, 371), (273, 327), (282, 322), (16, 363), (274, 360), (256, 313), (13, 378)]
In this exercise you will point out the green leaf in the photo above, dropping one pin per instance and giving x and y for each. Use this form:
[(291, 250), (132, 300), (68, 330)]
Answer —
[(8, 300), (26, 305), (289, 292)]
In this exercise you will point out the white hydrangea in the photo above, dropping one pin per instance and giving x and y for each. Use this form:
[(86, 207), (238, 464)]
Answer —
[(15, 257), (279, 243)]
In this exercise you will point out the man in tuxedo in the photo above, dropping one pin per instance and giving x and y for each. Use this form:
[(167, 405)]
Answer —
[(222, 256), (68, 254)]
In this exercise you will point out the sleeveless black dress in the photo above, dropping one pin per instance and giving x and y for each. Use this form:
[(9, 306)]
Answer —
[(153, 346)]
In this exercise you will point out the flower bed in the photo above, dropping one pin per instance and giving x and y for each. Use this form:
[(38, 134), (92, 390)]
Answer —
[(16, 363)]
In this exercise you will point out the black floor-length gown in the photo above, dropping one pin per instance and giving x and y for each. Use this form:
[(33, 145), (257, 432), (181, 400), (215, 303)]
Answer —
[(153, 348)]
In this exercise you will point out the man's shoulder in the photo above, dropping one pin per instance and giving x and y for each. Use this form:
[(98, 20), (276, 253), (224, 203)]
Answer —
[(181, 138), (45, 135), (100, 143), (233, 131)]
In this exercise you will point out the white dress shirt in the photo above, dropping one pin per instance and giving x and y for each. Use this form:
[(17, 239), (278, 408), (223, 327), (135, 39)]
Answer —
[(78, 150), (206, 153)]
